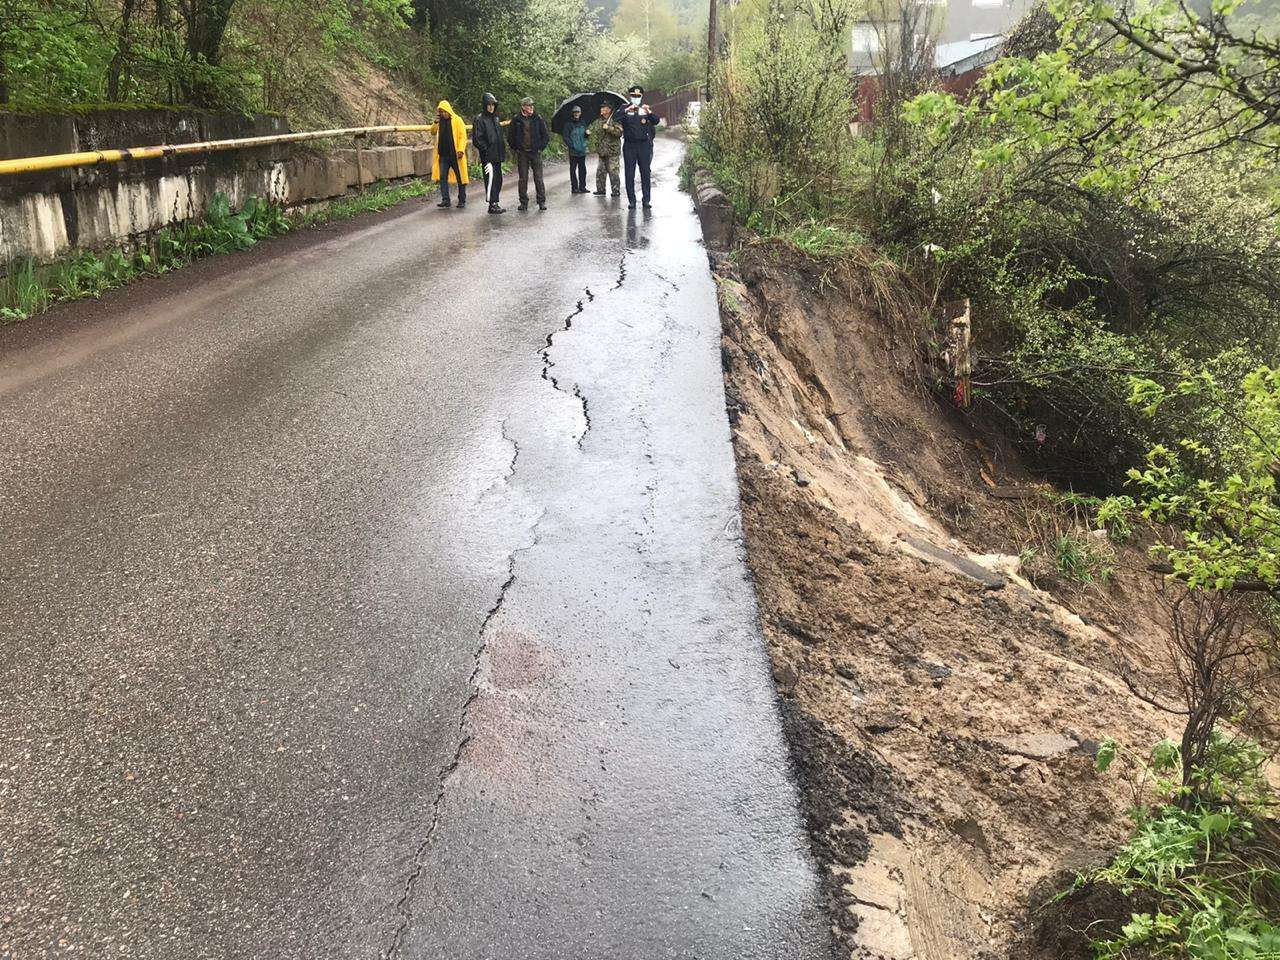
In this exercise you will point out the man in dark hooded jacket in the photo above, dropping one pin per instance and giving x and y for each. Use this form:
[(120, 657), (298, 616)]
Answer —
[(486, 136)]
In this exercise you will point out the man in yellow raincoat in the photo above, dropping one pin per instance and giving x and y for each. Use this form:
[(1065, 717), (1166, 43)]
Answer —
[(451, 154)]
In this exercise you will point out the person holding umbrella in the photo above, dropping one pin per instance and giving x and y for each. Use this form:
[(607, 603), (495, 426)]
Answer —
[(528, 137), (574, 135), (486, 134), (451, 154), (605, 137), (639, 124)]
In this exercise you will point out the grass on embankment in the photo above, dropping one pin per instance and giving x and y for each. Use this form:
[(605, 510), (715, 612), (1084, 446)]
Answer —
[(32, 288)]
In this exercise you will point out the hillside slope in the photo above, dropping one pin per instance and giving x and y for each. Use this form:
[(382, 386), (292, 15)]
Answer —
[(944, 713)]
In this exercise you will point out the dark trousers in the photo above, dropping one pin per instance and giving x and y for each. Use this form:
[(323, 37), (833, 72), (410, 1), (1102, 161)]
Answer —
[(492, 182), (448, 164), (577, 172), (527, 160), (637, 155)]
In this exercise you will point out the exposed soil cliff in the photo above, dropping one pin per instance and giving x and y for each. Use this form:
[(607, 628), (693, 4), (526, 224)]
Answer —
[(944, 712)]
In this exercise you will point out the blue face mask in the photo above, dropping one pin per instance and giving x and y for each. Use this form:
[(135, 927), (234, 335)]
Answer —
[(635, 101)]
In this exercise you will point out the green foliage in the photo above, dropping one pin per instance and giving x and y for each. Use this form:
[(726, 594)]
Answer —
[(1096, 239), (823, 240), (1126, 92), (1214, 491), (1082, 559), (377, 198), (1208, 869), (249, 55), (775, 129), (674, 39), (21, 292)]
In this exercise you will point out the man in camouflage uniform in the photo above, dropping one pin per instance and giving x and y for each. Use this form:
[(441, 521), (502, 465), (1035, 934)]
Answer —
[(606, 140)]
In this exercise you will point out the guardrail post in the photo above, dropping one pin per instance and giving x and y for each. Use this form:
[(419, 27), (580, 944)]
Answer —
[(359, 138)]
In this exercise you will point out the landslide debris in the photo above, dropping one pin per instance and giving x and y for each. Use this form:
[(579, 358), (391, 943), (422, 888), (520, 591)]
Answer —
[(943, 713)]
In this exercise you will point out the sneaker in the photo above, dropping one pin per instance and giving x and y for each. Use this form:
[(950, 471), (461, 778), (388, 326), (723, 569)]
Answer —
[(494, 208), (444, 203)]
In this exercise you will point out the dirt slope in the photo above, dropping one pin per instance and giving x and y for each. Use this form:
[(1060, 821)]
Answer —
[(943, 712)]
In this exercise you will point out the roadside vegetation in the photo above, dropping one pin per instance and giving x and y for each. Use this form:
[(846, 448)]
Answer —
[(335, 61), (1105, 203), (32, 288)]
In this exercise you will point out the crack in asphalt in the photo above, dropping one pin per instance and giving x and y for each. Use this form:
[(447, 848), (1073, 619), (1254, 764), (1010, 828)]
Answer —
[(622, 271), (586, 414), (515, 451), (450, 768), (545, 352), (511, 466), (671, 283), (548, 363)]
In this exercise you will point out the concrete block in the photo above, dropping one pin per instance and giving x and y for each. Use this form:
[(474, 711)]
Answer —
[(716, 214), (314, 178), (348, 160), (387, 163), (423, 158), (399, 162)]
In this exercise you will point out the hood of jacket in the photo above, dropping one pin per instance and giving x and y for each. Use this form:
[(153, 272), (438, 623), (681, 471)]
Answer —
[(445, 106)]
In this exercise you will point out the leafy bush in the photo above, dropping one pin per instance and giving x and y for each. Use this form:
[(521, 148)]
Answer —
[(1211, 868), (1214, 490), (774, 129)]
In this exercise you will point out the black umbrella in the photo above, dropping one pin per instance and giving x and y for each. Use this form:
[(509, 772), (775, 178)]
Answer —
[(564, 112), (615, 100), (590, 105)]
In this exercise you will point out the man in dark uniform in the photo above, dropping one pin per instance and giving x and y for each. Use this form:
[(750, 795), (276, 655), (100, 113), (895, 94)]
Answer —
[(639, 123), (486, 135)]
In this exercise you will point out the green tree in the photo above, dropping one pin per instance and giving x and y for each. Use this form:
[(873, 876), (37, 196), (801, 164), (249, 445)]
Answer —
[(653, 20)]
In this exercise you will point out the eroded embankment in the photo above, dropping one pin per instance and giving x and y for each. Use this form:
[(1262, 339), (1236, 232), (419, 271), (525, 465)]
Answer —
[(943, 713)]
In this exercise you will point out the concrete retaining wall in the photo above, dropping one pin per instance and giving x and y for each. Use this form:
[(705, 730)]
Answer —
[(46, 215)]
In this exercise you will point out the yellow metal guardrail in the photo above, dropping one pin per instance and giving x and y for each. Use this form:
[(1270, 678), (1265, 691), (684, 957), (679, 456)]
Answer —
[(62, 161)]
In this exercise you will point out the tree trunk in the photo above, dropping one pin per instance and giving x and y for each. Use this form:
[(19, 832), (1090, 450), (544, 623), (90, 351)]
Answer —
[(121, 56), (713, 30), (206, 26)]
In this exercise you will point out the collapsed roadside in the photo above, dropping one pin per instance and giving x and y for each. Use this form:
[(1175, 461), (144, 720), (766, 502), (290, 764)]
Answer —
[(946, 691)]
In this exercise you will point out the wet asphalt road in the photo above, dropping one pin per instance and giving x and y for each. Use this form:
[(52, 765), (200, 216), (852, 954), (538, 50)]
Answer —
[(380, 594)]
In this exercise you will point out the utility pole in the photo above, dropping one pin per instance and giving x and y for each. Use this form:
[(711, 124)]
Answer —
[(713, 28)]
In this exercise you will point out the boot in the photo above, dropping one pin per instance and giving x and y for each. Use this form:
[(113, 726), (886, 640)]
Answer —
[(599, 193), (494, 208), (444, 203)]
